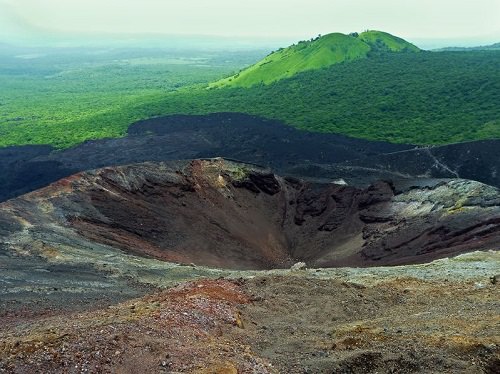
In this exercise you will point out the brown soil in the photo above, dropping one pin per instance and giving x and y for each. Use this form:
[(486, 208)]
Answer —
[(399, 326), (272, 324)]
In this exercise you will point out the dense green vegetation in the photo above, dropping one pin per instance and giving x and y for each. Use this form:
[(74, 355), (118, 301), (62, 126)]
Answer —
[(314, 54), (66, 96), (423, 98)]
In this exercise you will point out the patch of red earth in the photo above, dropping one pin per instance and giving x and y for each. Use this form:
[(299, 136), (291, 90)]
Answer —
[(220, 289), (184, 329), (62, 186)]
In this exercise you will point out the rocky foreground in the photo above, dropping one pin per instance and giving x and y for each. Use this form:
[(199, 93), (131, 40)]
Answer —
[(435, 318)]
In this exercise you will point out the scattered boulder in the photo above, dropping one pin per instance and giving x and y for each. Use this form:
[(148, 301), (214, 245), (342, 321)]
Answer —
[(298, 266)]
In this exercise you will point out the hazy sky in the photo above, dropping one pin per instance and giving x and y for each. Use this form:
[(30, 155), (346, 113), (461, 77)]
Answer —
[(444, 19)]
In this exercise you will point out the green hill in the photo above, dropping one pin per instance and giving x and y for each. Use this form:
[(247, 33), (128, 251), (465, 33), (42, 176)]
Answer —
[(491, 47), (419, 98), (384, 42), (316, 54)]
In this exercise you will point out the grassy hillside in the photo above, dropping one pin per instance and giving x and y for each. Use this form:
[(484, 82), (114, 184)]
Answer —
[(421, 98), (315, 54), (380, 41)]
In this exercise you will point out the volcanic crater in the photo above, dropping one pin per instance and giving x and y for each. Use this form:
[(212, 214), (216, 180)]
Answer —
[(226, 214)]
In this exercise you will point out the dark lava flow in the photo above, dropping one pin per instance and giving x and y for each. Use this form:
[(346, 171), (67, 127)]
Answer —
[(225, 214), (286, 150)]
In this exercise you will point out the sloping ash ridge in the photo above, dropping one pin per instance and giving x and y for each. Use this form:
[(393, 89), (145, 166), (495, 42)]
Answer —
[(225, 214)]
